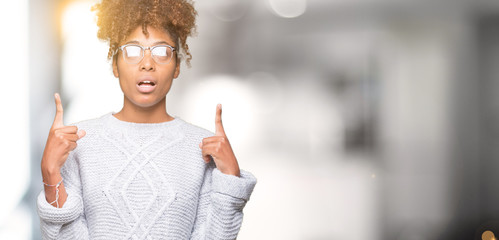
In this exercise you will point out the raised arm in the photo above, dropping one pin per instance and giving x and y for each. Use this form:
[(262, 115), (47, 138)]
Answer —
[(60, 205), (225, 190), (60, 142)]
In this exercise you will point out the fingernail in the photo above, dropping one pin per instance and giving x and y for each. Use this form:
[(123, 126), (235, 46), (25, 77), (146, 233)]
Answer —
[(81, 133), (219, 106), (56, 94)]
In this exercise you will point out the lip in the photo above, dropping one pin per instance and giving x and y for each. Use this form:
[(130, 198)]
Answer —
[(146, 88)]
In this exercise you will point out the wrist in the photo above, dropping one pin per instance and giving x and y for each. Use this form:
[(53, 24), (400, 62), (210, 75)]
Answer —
[(234, 172), (52, 180), (51, 175)]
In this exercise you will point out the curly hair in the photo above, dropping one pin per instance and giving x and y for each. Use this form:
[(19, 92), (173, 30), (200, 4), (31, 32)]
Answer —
[(116, 19)]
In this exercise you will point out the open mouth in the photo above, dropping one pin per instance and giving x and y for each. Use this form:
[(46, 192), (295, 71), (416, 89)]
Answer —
[(146, 86), (146, 83)]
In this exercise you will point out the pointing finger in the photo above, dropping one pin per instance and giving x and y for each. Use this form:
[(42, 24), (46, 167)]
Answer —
[(219, 128), (58, 121)]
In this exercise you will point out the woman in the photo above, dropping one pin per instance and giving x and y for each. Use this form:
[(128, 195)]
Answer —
[(141, 173)]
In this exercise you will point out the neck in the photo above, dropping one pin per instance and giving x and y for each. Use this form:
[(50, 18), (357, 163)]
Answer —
[(137, 114)]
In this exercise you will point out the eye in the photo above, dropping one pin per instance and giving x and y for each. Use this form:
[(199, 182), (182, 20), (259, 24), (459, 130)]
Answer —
[(133, 51), (160, 51)]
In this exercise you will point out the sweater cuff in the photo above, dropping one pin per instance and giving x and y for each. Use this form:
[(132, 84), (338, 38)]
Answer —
[(238, 187), (72, 208)]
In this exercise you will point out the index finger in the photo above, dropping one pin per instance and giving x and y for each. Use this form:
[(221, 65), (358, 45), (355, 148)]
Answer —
[(58, 121), (219, 128)]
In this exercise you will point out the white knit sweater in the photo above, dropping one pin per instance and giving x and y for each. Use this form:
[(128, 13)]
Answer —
[(144, 181)]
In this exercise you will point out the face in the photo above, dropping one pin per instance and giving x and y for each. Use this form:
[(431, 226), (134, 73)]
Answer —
[(133, 77)]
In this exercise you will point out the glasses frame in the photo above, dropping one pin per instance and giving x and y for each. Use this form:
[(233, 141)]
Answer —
[(151, 48)]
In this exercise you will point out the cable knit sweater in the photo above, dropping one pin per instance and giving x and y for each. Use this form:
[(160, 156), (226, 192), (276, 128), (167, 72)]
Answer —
[(144, 181)]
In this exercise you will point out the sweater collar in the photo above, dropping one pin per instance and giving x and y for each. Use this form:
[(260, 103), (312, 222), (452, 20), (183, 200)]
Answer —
[(116, 123)]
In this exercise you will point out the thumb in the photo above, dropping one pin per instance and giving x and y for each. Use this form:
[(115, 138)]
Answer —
[(81, 133), (58, 121), (219, 128)]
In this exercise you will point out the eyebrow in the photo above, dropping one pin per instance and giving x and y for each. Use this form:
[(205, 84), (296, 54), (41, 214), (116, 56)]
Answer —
[(156, 43)]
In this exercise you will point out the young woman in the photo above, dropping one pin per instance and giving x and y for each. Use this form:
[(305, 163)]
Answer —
[(142, 173)]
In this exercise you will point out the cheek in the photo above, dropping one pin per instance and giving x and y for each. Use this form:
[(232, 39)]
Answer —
[(125, 73), (126, 80)]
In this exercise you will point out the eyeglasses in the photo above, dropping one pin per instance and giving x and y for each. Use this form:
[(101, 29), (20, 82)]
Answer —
[(133, 53)]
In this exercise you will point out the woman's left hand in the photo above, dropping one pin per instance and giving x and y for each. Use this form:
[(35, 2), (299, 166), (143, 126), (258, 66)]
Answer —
[(218, 147)]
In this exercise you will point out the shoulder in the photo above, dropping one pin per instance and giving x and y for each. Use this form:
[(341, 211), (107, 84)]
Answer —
[(91, 123), (195, 131), (92, 127)]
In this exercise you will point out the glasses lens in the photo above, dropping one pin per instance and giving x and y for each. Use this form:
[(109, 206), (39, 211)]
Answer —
[(162, 54), (133, 54)]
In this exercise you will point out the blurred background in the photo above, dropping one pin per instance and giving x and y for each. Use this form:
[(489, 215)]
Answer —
[(361, 119)]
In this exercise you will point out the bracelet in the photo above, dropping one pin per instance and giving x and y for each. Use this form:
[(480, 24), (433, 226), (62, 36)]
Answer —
[(56, 192), (56, 185)]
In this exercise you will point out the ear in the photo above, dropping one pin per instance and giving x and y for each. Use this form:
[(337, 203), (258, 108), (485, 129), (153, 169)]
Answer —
[(177, 70), (115, 67)]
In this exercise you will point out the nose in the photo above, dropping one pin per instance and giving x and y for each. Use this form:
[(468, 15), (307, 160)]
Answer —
[(147, 62)]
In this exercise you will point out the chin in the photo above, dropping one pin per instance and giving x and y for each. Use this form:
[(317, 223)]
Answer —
[(146, 101)]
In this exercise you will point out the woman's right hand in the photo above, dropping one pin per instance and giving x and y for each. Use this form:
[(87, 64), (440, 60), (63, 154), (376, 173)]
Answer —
[(60, 142)]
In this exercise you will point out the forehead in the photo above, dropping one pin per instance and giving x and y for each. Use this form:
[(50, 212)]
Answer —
[(155, 35)]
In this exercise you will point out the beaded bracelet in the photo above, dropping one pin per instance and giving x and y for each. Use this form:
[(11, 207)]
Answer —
[(56, 192)]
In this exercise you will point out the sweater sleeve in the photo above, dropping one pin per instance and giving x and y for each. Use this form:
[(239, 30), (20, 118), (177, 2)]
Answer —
[(69, 221), (221, 203)]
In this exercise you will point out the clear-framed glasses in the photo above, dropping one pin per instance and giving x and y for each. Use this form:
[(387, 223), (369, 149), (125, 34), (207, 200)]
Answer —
[(134, 53)]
